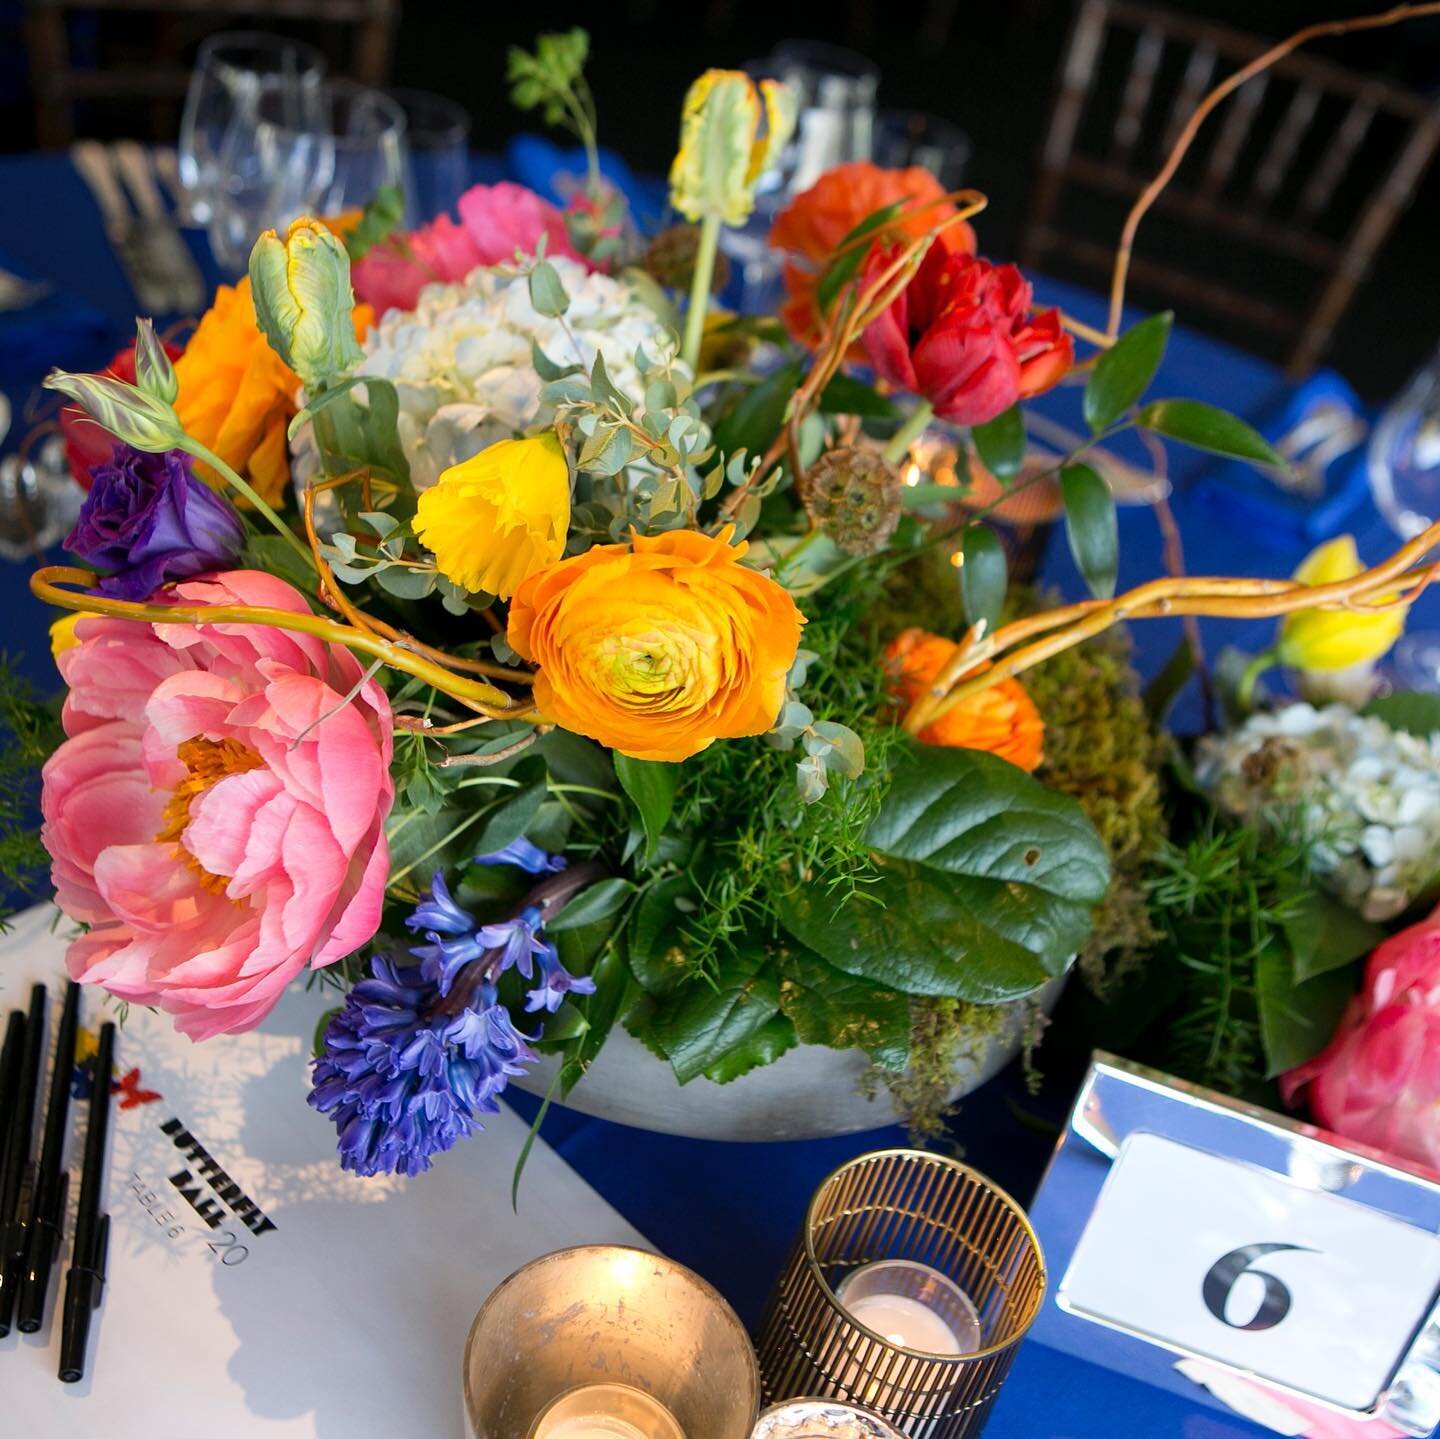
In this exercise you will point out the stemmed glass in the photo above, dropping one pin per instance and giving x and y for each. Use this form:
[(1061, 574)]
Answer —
[(1404, 466), (275, 170), (231, 70), (437, 154)]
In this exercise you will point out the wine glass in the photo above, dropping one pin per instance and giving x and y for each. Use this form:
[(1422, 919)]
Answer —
[(437, 153), (275, 171), (1404, 467), (905, 138), (230, 70)]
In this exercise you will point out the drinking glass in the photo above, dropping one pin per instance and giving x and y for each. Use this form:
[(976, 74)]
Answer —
[(230, 70), (275, 171), (1404, 467), (437, 153), (905, 138)]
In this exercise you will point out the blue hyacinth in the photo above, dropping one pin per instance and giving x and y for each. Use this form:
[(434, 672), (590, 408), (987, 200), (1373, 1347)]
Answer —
[(418, 1050)]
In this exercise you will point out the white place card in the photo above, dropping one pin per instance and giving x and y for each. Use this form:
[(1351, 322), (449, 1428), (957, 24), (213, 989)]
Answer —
[(1218, 1258)]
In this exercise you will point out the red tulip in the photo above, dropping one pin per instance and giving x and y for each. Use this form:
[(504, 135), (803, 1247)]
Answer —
[(1379, 1080), (962, 336)]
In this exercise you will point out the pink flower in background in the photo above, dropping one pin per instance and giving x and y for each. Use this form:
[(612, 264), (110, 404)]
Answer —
[(495, 221), (1379, 1080), (217, 814)]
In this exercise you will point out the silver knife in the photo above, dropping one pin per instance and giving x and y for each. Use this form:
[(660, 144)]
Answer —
[(151, 265), (160, 234)]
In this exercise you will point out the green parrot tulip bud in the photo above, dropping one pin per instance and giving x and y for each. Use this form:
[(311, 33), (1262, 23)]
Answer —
[(303, 301), (731, 131), (154, 373), (125, 410)]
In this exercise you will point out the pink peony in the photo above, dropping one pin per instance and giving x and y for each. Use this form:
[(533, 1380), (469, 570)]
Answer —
[(495, 221), (217, 814), (1379, 1080)]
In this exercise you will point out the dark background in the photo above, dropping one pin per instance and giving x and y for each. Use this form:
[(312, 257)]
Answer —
[(989, 67)]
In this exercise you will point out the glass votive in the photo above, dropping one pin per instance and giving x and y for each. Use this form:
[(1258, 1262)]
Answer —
[(437, 154), (907, 1293), (821, 1419), (605, 1342)]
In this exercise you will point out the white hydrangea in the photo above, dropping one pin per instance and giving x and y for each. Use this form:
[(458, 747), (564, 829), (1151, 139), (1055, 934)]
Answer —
[(461, 363), (1367, 794)]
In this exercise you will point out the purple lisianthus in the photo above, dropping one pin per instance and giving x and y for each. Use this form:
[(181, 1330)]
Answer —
[(148, 520)]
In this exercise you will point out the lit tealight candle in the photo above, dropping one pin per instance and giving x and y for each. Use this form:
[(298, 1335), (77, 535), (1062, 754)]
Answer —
[(606, 1411), (913, 1306)]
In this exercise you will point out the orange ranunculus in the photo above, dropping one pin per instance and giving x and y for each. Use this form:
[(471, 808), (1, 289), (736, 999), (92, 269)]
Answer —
[(819, 218), (1001, 719), (237, 395), (659, 647)]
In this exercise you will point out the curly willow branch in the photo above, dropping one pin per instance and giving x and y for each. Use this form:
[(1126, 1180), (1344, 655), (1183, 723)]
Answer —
[(982, 661), (1223, 90), (475, 694)]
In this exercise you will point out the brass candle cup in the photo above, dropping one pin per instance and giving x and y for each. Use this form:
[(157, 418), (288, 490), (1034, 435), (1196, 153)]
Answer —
[(909, 1205), (607, 1314)]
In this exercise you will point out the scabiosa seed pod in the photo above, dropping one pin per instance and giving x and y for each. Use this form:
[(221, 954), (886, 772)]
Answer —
[(854, 496)]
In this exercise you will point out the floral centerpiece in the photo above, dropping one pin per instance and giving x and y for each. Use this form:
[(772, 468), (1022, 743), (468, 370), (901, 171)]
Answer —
[(532, 650)]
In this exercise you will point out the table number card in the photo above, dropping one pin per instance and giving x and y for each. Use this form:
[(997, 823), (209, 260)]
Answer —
[(1195, 1238), (1225, 1261)]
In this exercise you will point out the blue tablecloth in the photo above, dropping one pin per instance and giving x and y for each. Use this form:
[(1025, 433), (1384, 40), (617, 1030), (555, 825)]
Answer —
[(730, 1211)]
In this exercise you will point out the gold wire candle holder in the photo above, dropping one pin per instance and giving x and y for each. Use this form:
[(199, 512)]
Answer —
[(925, 1210)]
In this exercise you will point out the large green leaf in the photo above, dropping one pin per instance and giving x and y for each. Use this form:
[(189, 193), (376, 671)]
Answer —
[(1205, 428), (763, 1047), (594, 903), (1296, 1020), (755, 418), (656, 957), (651, 785), (921, 931), (845, 395), (971, 814), (1122, 372), (840, 271), (1091, 528), (511, 820), (703, 1022), (1408, 710), (830, 1007), (613, 987), (1325, 935)]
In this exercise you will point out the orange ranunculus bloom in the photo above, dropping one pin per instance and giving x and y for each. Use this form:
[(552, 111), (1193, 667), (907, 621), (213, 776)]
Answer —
[(237, 395), (819, 218), (1002, 719), (659, 647)]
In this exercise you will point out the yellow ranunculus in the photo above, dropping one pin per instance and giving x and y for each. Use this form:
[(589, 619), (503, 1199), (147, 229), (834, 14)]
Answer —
[(659, 647), (497, 519), (1336, 639), (730, 133), (62, 633)]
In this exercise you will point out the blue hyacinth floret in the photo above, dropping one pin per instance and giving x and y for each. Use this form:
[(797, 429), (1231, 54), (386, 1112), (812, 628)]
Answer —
[(419, 1050)]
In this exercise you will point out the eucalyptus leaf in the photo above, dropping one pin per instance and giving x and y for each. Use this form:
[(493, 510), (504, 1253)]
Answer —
[(1122, 373), (1091, 528), (547, 293)]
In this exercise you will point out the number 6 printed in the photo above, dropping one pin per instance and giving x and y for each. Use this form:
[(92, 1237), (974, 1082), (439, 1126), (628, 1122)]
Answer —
[(1222, 1276)]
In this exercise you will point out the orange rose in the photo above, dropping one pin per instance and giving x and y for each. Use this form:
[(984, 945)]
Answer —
[(817, 220), (237, 396), (659, 647), (1001, 719)]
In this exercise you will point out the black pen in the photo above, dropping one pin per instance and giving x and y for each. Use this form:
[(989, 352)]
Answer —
[(9, 1076), (52, 1180), (86, 1277), (17, 1157)]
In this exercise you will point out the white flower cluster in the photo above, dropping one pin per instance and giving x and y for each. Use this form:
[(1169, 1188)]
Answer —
[(461, 360), (1367, 795)]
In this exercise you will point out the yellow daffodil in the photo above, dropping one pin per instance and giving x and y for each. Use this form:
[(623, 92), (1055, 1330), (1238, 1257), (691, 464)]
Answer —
[(731, 130), (303, 300), (1336, 639), (494, 520)]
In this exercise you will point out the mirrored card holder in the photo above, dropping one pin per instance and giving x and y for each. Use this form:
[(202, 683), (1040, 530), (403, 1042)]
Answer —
[(1239, 1258)]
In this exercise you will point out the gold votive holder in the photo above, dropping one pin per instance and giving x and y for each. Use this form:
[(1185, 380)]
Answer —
[(630, 1340), (931, 1213)]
